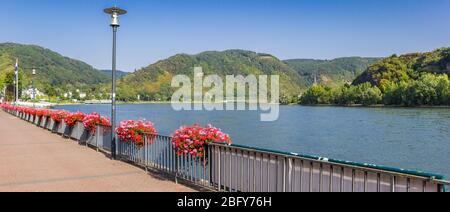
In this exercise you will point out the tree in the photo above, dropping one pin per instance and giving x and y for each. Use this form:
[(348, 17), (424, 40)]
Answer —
[(8, 81), (366, 94), (429, 89), (317, 94), (443, 89), (391, 69)]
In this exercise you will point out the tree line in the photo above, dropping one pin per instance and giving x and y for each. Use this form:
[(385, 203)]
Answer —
[(427, 90)]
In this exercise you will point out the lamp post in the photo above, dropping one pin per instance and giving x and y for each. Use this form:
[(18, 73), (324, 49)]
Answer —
[(16, 82), (115, 12), (34, 88)]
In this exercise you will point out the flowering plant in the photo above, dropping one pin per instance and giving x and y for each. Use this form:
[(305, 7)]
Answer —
[(39, 112), (30, 111), (133, 131), (46, 113), (20, 109), (91, 121), (7, 106), (191, 140), (59, 115), (73, 118)]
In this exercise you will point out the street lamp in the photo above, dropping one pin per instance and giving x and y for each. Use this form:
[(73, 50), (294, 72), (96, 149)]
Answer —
[(115, 12), (16, 82), (34, 88)]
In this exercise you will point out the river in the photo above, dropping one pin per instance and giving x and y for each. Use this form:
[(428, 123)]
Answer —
[(417, 139)]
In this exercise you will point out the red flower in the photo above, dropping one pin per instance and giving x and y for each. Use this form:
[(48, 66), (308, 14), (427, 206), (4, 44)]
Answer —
[(134, 131), (191, 140), (46, 113), (91, 121), (39, 112), (59, 115), (73, 118)]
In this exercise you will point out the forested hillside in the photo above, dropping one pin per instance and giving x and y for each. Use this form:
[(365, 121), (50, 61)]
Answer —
[(56, 74), (418, 79), (331, 73), (153, 82)]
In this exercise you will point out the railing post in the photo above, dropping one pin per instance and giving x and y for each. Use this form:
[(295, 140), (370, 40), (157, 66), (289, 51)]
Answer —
[(441, 188), (392, 184), (177, 170), (145, 152), (219, 177), (290, 173)]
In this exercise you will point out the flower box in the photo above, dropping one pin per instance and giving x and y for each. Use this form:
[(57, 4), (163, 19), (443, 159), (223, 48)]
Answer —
[(52, 126), (44, 122), (31, 119), (89, 138), (76, 132), (37, 120), (58, 118), (61, 128), (67, 130), (104, 137)]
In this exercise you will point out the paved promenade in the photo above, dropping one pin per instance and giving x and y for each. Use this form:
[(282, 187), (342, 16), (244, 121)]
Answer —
[(33, 159)]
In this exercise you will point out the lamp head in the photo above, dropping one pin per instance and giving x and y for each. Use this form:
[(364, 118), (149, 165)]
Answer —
[(115, 12)]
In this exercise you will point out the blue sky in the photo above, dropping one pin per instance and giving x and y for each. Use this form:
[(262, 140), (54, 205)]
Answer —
[(156, 29)]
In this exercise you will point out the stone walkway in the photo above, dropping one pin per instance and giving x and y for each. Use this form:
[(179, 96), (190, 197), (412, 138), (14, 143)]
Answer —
[(33, 159)]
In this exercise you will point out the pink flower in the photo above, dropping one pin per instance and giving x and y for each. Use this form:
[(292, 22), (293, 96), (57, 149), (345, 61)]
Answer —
[(191, 140), (133, 131)]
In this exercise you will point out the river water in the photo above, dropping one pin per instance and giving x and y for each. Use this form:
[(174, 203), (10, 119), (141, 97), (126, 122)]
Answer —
[(417, 139)]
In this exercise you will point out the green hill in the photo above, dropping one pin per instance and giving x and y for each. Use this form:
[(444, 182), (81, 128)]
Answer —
[(418, 79), (153, 82), (331, 73), (406, 67), (55, 73)]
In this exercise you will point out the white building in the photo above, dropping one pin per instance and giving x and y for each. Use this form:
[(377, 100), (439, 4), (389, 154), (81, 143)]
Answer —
[(83, 95), (29, 93), (68, 95)]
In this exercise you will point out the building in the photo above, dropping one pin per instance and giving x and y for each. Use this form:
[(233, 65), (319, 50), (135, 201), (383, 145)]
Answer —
[(28, 93)]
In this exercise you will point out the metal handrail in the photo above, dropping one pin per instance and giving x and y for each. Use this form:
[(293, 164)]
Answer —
[(240, 165), (349, 164), (444, 182)]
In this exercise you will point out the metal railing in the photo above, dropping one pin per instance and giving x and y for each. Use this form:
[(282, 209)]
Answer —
[(246, 169), (158, 153)]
